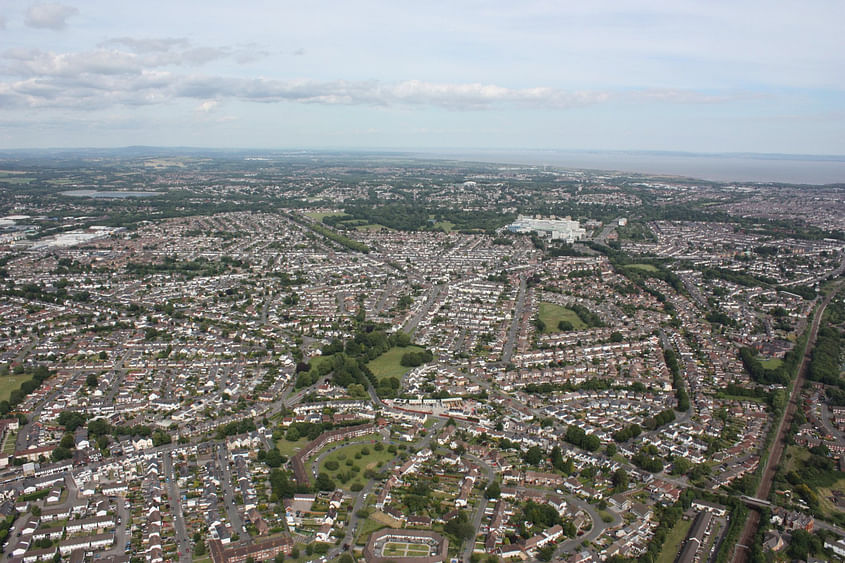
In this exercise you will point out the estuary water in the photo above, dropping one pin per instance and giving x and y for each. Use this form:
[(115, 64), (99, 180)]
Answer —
[(763, 168)]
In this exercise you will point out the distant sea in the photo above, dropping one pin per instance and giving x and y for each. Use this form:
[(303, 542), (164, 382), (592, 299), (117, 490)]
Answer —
[(762, 168)]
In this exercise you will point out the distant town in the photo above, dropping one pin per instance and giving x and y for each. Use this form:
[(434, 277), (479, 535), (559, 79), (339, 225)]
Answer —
[(339, 357)]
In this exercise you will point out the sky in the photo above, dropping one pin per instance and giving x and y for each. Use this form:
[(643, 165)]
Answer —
[(671, 75)]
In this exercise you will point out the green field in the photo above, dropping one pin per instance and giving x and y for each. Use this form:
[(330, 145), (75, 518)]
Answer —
[(672, 544), (289, 448), (318, 215), (9, 383), (404, 549), (443, 225), (387, 365), (644, 267), (552, 314), (351, 457), (772, 363)]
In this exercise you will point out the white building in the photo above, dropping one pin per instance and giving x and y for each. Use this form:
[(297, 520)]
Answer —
[(557, 229)]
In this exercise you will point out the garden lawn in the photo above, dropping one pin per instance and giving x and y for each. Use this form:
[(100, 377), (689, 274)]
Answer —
[(388, 364), (552, 314)]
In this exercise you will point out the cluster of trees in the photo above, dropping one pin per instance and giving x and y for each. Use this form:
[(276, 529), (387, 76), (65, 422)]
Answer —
[(235, 427), (310, 430), (577, 437), (39, 375), (415, 217), (100, 429), (187, 268), (460, 527), (565, 466), (34, 292), (824, 363), (648, 458), (681, 394), (414, 359), (533, 455), (588, 317), (630, 431), (718, 317), (281, 486), (739, 278), (661, 418), (759, 373)]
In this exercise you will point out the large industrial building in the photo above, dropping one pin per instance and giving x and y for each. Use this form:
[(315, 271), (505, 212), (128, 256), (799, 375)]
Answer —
[(557, 229)]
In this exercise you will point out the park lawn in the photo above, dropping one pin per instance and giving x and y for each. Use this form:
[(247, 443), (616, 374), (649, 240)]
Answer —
[(368, 461), (318, 215), (772, 363), (388, 364), (644, 267), (289, 448), (443, 225), (371, 227), (551, 314), (673, 541), (9, 383)]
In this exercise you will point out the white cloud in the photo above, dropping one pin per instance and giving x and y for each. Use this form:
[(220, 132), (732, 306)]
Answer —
[(207, 106), (49, 16)]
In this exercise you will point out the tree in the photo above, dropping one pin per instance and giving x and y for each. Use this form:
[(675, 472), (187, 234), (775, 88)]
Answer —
[(533, 456), (546, 552), (324, 482), (91, 380), (620, 479), (273, 458), (67, 441), (460, 527), (493, 490)]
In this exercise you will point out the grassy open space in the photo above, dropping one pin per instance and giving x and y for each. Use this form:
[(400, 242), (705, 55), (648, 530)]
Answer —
[(289, 448), (444, 226), (9, 383), (318, 215), (673, 542), (371, 227), (643, 267), (551, 314), (367, 527), (353, 456), (387, 365), (772, 363)]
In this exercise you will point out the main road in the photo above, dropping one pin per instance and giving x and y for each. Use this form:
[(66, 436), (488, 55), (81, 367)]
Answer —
[(183, 543)]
